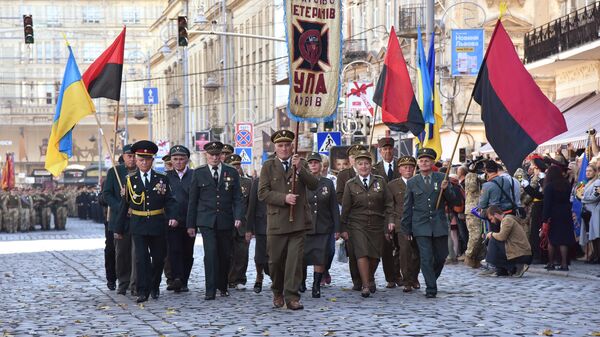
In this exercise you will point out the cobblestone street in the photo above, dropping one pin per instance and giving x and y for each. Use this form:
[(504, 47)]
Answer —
[(62, 291)]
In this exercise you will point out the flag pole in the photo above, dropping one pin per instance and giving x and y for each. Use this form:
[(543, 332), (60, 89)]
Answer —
[(116, 131), (291, 218), (111, 153), (373, 126), (462, 126)]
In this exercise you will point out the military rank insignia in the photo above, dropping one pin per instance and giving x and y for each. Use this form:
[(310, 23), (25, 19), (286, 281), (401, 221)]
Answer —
[(160, 188)]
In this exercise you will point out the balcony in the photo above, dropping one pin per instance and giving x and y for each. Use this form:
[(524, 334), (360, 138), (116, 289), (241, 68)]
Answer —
[(410, 17), (563, 34), (354, 49)]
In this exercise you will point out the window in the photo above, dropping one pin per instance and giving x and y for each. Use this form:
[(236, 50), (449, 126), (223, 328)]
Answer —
[(91, 52), (133, 53), (92, 14), (131, 15), (54, 16)]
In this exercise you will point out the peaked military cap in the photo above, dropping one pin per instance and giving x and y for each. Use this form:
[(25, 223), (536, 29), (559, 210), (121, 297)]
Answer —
[(314, 156), (179, 150), (407, 160), (144, 148), (233, 159), (166, 158), (426, 152), (386, 141), (127, 149), (213, 147), (227, 149), (354, 149), (282, 136), (363, 154)]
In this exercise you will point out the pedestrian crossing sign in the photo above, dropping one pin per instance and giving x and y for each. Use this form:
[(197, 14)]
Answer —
[(327, 140), (245, 153)]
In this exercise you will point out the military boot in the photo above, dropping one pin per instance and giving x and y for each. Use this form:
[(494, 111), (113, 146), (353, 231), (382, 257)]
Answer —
[(316, 286)]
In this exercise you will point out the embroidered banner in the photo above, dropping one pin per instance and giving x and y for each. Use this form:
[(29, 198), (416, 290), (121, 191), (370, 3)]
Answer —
[(314, 40)]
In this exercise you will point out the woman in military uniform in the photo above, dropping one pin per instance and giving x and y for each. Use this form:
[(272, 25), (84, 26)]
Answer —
[(367, 212), (325, 220)]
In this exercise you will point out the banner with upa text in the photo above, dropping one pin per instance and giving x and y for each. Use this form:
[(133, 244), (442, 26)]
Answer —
[(314, 39)]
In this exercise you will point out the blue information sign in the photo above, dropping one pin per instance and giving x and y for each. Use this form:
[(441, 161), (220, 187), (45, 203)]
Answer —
[(327, 140), (245, 153), (150, 95), (467, 51)]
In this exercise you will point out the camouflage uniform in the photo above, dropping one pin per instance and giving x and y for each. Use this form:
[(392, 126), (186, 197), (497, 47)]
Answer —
[(12, 205), (71, 204), (25, 213), (474, 245), (36, 213), (526, 199), (59, 203), (46, 211)]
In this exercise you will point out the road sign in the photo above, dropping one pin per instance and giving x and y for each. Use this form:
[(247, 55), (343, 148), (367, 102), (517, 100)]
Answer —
[(326, 140), (245, 153), (244, 135), (150, 95)]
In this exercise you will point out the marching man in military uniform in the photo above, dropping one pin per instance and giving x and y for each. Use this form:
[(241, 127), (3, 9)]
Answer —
[(408, 252), (425, 223), (342, 177), (151, 207), (180, 245), (239, 256), (287, 218), (215, 207)]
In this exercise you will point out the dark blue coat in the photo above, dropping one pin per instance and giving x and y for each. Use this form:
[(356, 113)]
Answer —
[(215, 206), (180, 188)]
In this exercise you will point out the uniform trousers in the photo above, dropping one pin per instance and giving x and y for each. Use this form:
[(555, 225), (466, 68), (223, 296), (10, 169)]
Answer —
[(387, 260), (217, 258), (286, 255), (433, 252), (408, 259), (180, 252), (125, 265), (239, 260), (109, 255), (475, 243), (150, 251), (353, 265)]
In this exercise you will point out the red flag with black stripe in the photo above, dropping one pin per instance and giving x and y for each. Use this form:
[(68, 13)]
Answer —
[(394, 92), (103, 77), (516, 113)]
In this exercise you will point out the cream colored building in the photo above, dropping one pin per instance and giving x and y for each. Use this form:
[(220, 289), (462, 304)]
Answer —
[(30, 75)]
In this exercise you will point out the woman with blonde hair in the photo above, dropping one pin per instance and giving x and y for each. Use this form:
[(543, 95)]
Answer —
[(591, 213)]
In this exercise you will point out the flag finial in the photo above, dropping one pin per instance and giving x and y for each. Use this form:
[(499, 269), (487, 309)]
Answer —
[(503, 8), (66, 41)]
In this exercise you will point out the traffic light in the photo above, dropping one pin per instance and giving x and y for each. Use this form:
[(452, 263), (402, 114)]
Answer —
[(182, 34), (28, 28), (328, 126)]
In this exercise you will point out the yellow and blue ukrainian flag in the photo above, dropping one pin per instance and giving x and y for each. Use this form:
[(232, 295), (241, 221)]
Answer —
[(74, 103)]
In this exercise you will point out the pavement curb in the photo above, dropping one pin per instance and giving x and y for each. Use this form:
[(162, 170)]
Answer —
[(542, 271)]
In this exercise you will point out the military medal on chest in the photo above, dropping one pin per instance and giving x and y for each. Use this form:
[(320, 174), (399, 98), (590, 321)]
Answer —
[(325, 191), (377, 186), (160, 188), (228, 180)]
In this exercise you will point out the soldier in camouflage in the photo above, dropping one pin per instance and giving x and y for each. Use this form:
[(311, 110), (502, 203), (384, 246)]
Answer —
[(12, 207), (474, 252)]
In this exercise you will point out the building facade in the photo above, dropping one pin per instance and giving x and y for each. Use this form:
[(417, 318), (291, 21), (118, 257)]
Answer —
[(31, 74)]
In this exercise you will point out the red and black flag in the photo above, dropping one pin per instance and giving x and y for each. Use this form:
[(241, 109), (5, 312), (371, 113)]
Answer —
[(394, 92), (103, 77), (516, 114)]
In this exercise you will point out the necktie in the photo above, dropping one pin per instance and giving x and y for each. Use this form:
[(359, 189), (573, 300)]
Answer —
[(146, 181), (286, 166), (365, 183), (390, 172), (216, 174), (427, 180)]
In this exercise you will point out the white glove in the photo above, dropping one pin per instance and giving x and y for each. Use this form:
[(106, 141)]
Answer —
[(524, 183), (541, 175)]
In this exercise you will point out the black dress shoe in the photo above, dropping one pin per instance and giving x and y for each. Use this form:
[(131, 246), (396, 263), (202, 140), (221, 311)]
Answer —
[(224, 293), (122, 291), (357, 287), (430, 295), (112, 285), (155, 293), (184, 289), (258, 287), (302, 287), (142, 298), (209, 297), (134, 292)]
